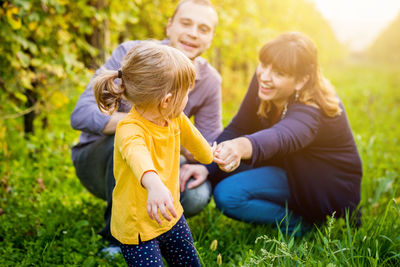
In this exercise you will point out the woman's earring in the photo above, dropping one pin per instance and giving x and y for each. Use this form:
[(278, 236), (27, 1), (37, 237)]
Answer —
[(296, 97)]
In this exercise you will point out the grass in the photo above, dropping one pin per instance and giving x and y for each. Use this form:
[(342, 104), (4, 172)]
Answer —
[(49, 219)]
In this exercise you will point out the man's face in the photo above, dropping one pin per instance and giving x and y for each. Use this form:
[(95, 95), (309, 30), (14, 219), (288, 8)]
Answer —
[(192, 29)]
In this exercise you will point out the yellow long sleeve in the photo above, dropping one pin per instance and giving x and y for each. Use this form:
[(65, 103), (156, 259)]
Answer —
[(141, 146)]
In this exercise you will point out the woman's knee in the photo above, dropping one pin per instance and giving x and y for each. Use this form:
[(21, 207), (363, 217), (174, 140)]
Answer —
[(219, 196), (232, 194), (226, 197)]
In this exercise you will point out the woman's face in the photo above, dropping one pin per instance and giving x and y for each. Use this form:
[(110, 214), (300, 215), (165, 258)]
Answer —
[(275, 86)]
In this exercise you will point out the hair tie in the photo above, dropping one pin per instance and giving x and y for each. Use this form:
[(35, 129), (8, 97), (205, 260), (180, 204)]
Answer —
[(120, 73)]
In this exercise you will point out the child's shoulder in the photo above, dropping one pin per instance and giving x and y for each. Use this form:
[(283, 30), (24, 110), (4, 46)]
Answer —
[(131, 124), (182, 118)]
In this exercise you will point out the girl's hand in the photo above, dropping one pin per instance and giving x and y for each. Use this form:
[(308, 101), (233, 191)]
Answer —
[(214, 147), (159, 198), (228, 154)]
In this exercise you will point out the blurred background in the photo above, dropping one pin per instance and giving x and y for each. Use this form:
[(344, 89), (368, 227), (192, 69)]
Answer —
[(49, 48)]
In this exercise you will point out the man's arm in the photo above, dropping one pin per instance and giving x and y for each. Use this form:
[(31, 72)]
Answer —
[(205, 105), (111, 125), (208, 119), (86, 115)]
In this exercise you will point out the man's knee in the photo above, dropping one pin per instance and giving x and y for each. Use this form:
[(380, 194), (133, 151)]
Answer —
[(196, 199), (94, 166)]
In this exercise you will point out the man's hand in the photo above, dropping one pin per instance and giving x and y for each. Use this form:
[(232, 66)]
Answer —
[(159, 197), (188, 156), (197, 171), (111, 125)]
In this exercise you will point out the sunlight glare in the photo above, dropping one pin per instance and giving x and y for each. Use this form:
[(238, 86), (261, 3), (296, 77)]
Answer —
[(358, 22)]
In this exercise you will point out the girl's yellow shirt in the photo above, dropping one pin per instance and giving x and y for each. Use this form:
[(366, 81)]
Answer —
[(142, 146)]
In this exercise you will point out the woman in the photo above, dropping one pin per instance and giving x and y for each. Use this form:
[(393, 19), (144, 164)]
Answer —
[(289, 146)]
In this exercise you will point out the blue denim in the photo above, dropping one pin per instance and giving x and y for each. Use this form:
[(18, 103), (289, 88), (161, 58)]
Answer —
[(258, 195)]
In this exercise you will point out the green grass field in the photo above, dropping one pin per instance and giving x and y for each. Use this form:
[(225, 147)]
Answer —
[(49, 219)]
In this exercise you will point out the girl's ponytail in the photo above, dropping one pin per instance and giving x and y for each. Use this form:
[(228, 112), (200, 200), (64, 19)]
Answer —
[(106, 92)]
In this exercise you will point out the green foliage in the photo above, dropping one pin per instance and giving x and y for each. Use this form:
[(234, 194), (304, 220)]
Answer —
[(370, 94), (47, 218), (336, 244), (42, 42), (151, 21), (244, 28), (46, 48), (387, 45), (48, 45)]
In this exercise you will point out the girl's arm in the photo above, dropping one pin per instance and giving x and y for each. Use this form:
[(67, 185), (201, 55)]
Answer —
[(246, 121), (297, 130), (129, 140), (159, 197), (193, 141), (229, 153)]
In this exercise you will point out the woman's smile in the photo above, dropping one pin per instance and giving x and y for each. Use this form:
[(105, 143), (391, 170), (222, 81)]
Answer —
[(266, 88)]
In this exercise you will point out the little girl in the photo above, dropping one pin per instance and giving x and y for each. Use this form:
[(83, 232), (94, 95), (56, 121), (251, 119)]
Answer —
[(156, 79)]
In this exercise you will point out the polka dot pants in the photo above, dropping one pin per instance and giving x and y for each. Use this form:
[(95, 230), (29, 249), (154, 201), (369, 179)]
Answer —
[(176, 246)]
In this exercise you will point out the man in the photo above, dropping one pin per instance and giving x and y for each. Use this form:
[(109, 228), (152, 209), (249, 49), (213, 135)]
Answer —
[(191, 30)]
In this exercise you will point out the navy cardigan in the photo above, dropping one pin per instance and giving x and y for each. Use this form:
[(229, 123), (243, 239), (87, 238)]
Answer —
[(317, 152)]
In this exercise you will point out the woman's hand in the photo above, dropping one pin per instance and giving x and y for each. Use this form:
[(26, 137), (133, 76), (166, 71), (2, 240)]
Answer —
[(159, 197), (197, 171), (229, 153)]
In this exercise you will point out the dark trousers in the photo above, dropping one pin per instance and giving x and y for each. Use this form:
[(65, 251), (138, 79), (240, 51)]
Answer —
[(176, 246), (94, 168)]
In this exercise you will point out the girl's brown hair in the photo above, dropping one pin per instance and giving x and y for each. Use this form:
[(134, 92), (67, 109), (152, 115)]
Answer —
[(149, 72), (294, 54)]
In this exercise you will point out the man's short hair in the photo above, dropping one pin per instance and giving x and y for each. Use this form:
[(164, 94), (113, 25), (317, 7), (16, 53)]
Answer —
[(198, 2)]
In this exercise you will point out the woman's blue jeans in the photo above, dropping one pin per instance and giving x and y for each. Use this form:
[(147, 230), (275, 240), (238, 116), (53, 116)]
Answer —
[(257, 195)]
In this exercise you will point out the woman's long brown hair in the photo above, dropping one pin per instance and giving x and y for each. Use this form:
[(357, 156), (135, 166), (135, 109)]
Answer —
[(296, 55)]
